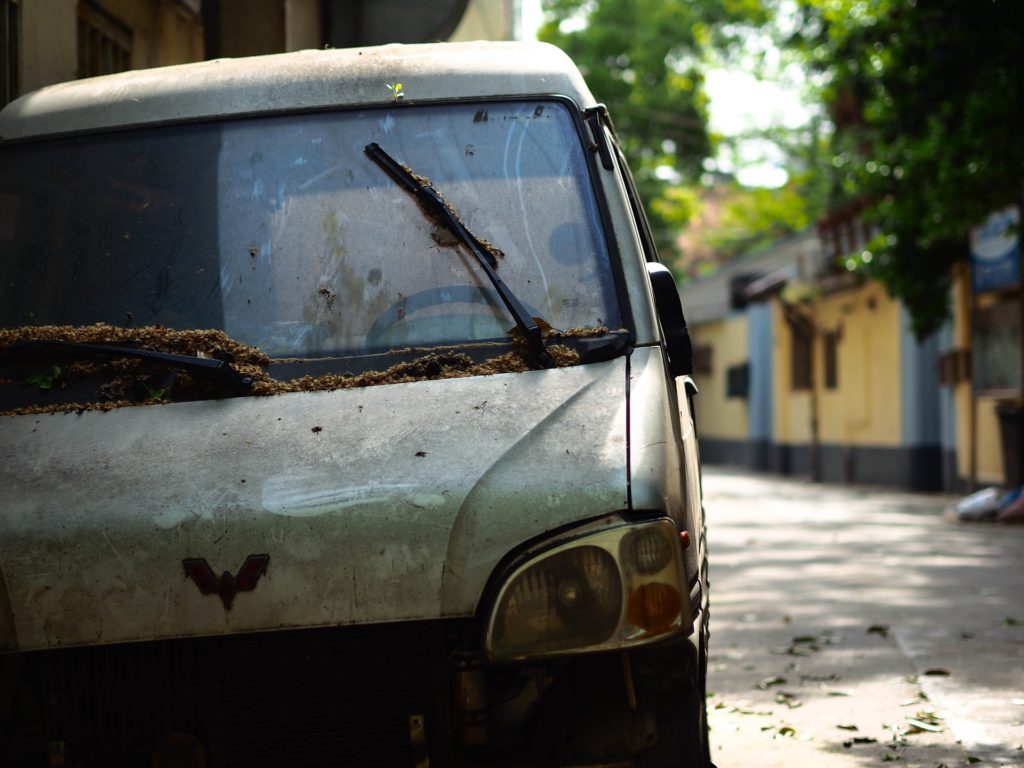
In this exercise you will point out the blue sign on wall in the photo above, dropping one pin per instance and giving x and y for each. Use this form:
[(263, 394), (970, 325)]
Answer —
[(995, 251)]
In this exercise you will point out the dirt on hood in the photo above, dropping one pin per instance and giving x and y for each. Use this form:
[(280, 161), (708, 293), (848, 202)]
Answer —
[(122, 382)]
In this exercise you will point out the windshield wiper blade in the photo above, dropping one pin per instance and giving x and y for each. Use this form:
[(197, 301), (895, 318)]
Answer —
[(435, 206), (216, 368)]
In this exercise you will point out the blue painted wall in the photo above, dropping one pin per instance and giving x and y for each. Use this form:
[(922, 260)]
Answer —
[(760, 335), (920, 393)]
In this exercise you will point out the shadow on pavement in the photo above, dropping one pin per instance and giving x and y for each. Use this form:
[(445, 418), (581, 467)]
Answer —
[(854, 626)]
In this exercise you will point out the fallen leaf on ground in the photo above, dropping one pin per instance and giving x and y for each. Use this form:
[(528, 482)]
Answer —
[(819, 678), (789, 699), (796, 649), (919, 724), (741, 708), (859, 740)]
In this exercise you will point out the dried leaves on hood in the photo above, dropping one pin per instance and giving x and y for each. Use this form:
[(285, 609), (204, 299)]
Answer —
[(126, 381)]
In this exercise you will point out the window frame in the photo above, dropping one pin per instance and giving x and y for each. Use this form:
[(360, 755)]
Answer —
[(830, 359), (10, 53), (104, 42), (801, 358)]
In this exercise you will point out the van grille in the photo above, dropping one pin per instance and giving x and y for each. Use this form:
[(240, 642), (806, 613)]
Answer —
[(320, 697)]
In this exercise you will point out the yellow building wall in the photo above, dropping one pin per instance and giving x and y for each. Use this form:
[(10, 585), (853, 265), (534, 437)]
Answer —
[(162, 33), (722, 417), (990, 454), (486, 20), (792, 409), (988, 459), (864, 408), (49, 43), (302, 25)]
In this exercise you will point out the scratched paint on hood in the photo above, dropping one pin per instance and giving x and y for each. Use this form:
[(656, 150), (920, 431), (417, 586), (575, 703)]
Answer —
[(311, 495)]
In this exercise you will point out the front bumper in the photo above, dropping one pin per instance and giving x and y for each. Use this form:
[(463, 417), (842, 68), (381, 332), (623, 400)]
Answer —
[(380, 695)]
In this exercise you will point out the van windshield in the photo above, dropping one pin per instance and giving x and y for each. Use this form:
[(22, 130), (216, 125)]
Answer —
[(282, 233)]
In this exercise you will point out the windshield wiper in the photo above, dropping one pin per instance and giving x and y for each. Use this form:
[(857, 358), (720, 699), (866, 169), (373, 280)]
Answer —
[(218, 369), (435, 206)]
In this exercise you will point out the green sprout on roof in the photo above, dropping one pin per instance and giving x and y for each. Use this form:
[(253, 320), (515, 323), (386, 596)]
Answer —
[(155, 394), (44, 380)]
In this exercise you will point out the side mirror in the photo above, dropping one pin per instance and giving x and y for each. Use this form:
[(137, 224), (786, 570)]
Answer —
[(673, 324)]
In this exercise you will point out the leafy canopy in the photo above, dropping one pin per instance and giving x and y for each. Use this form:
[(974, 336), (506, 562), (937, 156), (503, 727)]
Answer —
[(928, 101), (644, 59)]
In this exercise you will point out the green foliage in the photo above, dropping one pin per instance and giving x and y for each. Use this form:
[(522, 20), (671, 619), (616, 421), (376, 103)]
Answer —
[(755, 217), (44, 380), (676, 205), (644, 59), (155, 394), (928, 100)]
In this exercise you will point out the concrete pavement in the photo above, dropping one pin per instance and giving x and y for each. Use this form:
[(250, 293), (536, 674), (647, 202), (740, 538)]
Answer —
[(855, 626)]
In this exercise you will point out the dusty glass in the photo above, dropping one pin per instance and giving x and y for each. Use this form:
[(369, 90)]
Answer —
[(285, 234)]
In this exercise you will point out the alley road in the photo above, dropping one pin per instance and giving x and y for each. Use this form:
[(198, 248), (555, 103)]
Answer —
[(854, 627)]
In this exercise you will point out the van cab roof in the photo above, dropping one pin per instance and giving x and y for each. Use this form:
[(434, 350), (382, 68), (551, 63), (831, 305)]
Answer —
[(295, 81)]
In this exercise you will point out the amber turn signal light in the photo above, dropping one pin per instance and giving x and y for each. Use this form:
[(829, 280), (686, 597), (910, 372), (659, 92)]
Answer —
[(654, 607)]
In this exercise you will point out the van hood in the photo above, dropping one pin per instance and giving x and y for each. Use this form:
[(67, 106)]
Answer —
[(387, 503)]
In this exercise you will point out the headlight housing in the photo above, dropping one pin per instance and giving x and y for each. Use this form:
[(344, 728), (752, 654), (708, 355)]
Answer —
[(612, 589)]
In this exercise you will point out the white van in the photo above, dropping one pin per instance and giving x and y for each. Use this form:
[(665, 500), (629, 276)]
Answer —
[(345, 421)]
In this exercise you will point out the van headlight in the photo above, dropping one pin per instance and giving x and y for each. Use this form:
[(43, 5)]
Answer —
[(613, 589)]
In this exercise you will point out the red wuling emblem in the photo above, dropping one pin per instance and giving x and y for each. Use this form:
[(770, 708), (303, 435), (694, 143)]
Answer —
[(227, 586)]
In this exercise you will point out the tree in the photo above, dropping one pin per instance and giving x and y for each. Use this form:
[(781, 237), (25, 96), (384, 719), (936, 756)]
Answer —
[(928, 101), (644, 58), (731, 220)]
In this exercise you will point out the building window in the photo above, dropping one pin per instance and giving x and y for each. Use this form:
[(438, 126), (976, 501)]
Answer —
[(10, 32), (104, 42), (831, 340), (996, 364), (800, 368), (702, 359), (954, 366), (737, 380)]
